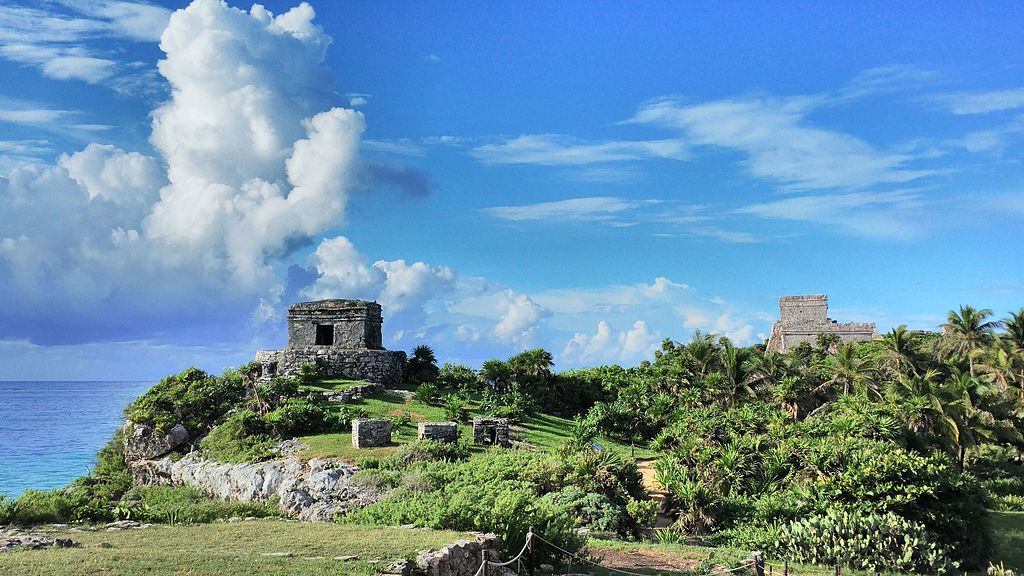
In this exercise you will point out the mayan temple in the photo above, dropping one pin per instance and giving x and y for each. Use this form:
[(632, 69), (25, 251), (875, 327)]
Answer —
[(802, 318)]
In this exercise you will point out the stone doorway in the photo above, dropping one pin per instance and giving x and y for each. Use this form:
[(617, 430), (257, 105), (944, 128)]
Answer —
[(325, 335)]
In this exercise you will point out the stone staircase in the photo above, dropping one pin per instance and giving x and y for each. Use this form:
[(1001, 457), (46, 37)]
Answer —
[(657, 492)]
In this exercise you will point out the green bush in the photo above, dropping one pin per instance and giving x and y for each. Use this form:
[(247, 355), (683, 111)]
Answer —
[(875, 542), (427, 393), (238, 440), (186, 505), (192, 398), (595, 511), (300, 417), (455, 408), (1009, 502), (499, 491), (43, 507), (425, 451), (458, 377), (8, 509)]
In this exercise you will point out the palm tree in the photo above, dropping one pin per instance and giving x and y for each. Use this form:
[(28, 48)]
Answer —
[(845, 368), (737, 376), (1015, 327), (828, 342), (968, 331), (998, 365), (497, 374), (900, 347), (536, 363)]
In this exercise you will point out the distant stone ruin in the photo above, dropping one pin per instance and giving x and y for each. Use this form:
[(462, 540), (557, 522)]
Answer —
[(802, 318), (491, 432), (341, 337)]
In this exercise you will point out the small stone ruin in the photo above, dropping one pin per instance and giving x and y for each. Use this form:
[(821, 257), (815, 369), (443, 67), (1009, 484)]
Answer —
[(491, 432), (802, 318), (370, 433), (341, 337), (439, 431)]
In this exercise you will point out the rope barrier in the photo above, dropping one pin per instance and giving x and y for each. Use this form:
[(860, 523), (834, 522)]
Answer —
[(484, 563), (627, 572)]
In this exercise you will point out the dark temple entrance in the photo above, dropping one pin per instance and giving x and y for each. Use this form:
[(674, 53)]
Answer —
[(325, 335)]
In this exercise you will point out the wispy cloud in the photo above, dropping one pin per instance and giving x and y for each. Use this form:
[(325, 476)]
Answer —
[(402, 147), (56, 39), (982, 102), (595, 208), (779, 144), (558, 150), (871, 214), (17, 113)]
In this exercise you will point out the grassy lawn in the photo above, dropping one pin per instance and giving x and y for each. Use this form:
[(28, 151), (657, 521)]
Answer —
[(545, 431), (229, 549), (1009, 529)]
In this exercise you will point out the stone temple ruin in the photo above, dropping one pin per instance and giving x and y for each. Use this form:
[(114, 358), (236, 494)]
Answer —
[(341, 337), (802, 318)]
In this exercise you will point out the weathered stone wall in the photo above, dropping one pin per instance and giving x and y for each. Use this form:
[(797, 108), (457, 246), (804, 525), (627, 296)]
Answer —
[(802, 318), (379, 366), (370, 433), (491, 432), (439, 431), (462, 558), (356, 323)]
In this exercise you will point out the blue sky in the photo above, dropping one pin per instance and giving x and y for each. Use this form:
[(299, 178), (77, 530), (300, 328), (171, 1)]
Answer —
[(587, 177)]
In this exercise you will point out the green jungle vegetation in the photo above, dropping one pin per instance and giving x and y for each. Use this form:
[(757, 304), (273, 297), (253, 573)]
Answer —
[(898, 455)]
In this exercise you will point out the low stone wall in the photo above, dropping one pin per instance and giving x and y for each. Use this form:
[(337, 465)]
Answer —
[(354, 393), (380, 366), (439, 431), (461, 558), (369, 433)]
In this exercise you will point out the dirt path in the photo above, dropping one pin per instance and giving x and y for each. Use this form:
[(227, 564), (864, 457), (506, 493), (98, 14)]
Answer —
[(646, 559)]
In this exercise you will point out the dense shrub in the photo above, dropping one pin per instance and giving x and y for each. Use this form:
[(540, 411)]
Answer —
[(239, 439), (193, 398), (43, 507), (875, 542), (499, 491), (8, 508), (458, 377)]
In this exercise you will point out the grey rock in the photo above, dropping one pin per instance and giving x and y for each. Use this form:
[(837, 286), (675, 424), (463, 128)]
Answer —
[(143, 442)]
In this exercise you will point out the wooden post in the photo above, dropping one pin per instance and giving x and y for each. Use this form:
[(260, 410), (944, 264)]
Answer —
[(533, 555), (759, 564), (785, 568), (483, 562), (771, 571), (837, 567)]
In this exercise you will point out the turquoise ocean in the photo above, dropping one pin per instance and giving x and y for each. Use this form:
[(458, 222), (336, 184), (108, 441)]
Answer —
[(50, 431)]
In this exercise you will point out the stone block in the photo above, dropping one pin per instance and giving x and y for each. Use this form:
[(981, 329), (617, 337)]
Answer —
[(491, 432), (370, 433), (439, 431)]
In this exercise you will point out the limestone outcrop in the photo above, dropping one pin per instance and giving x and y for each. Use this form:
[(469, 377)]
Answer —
[(143, 442), (314, 491)]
